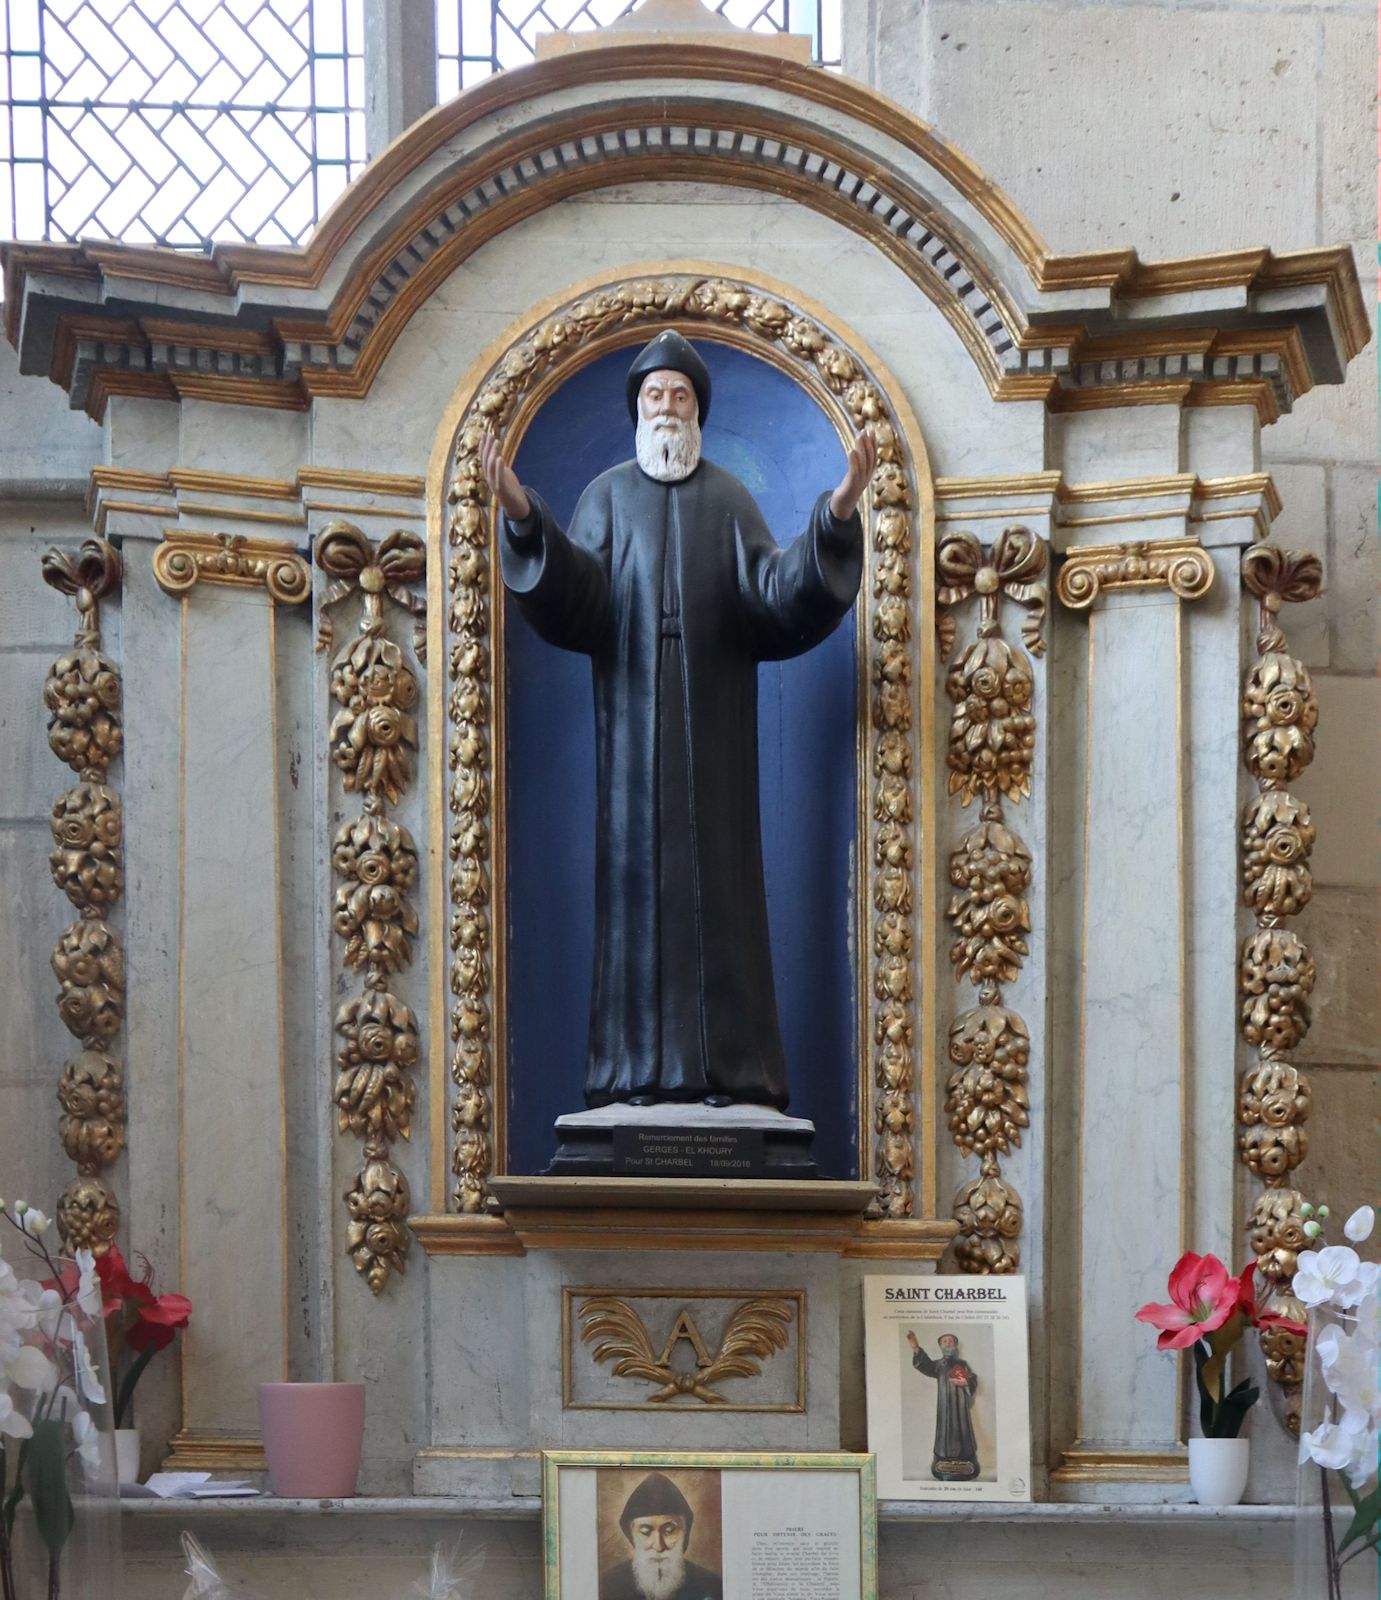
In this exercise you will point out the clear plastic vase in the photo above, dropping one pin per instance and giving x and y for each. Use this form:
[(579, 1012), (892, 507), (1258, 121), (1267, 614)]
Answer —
[(72, 1550), (1323, 1507)]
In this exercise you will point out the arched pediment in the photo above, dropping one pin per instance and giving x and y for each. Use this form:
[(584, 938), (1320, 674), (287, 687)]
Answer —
[(276, 326)]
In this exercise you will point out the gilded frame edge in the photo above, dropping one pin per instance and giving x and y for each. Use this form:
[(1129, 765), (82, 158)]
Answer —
[(920, 736), (864, 1464)]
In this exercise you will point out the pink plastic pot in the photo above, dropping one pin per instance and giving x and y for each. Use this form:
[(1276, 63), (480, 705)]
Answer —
[(313, 1436)]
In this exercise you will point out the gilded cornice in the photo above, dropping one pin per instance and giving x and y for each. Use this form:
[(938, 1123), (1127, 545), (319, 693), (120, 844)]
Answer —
[(864, 176)]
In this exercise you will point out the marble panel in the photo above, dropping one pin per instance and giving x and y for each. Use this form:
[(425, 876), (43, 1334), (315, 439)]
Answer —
[(1352, 572), (1220, 441), (1132, 1067), (1211, 671), (1103, 446), (1344, 782), (230, 1002), (680, 1426), (1342, 928), (1344, 1122), (142, 435), (261, 444), (151, 624), (33, 1042)]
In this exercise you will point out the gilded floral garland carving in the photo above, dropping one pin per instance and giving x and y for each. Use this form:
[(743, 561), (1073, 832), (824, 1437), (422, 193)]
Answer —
[(602, 318), (1276, 972), (82, 696), (992, 742), (373, 738)]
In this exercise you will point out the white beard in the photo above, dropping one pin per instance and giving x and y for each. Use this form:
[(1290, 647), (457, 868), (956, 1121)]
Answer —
[(658, 1577), (668, 447)]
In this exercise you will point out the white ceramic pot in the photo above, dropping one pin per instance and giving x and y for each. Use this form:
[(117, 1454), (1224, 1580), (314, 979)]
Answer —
[(1218, 1470), (127, 1454)]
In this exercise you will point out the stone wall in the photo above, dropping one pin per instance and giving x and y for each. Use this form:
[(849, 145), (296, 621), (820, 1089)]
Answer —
[(1180, 127)]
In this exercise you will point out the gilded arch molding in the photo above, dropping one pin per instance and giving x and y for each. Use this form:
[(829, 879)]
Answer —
[(276, 327), (896, 971)]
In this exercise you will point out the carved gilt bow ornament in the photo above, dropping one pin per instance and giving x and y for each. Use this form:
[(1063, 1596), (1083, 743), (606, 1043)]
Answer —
[(1276, 972), (373, 739), (992, 741), (82, 695)]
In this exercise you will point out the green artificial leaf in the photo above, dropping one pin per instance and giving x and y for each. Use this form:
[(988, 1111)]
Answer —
[(53, 1515), (1208, 1406), (1364, 1513), (16, 1494), (1231, 1411)]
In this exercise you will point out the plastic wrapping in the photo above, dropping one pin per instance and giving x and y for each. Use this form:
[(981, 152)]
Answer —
[(452, 1576), (207, 1583)]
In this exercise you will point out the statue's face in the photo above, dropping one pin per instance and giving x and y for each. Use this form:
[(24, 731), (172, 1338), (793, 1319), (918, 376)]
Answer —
[(948, 1343), (658, 1535), (667, 394)]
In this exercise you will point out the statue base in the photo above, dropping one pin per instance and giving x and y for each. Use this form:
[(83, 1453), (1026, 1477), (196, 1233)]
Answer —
[(683, 1141)]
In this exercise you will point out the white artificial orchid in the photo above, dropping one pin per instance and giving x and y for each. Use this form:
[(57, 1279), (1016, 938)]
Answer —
[(1328, 1445), (89, 1297), (30, 1369), (45, 1309), (84, 1370), (1332, 1276), (31, 1220), (87, 1438), (12, 1420), (1359, 1225)]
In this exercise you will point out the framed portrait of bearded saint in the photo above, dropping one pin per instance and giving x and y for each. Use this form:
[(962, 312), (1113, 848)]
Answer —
[(695, 1526), (948, 1402)]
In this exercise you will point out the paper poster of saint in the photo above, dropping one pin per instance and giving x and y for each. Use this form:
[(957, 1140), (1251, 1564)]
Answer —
[(659, 1534), (948, 1398), (949, 1403)]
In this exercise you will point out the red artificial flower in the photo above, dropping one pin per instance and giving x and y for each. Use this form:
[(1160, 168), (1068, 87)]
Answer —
[(1255, 1310), (156, 1322), (118, 1284), (1202, 1296)]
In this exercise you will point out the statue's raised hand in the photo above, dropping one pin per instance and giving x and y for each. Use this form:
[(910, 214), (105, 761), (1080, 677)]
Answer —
[(863, 458), (502, 479)]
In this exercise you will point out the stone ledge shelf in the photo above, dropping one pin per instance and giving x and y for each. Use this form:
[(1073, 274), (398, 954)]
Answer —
[(684, 1214), (373, 1549)]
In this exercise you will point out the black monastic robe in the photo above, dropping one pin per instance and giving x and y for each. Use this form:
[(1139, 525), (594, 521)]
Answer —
[(676, 591), (954, 1440)]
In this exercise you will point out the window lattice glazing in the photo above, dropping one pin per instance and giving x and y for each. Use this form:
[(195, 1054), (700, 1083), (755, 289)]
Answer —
[(177, 121), (478, 37)]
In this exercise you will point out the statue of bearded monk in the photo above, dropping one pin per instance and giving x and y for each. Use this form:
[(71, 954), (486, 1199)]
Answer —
[(669, 580)]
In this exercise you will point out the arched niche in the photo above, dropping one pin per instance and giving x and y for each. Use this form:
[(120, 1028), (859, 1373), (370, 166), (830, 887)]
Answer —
[(525, 369)]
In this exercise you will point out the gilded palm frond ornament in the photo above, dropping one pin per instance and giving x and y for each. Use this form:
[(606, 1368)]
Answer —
[(82, 695), (754, 1331), (1276, 972), (373, 740)]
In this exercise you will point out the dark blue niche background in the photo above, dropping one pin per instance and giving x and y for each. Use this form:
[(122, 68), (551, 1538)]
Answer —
[(766, 430)]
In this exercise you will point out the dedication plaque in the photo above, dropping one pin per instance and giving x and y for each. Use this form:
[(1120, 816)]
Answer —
[(688, 1153), (722, 1526)]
